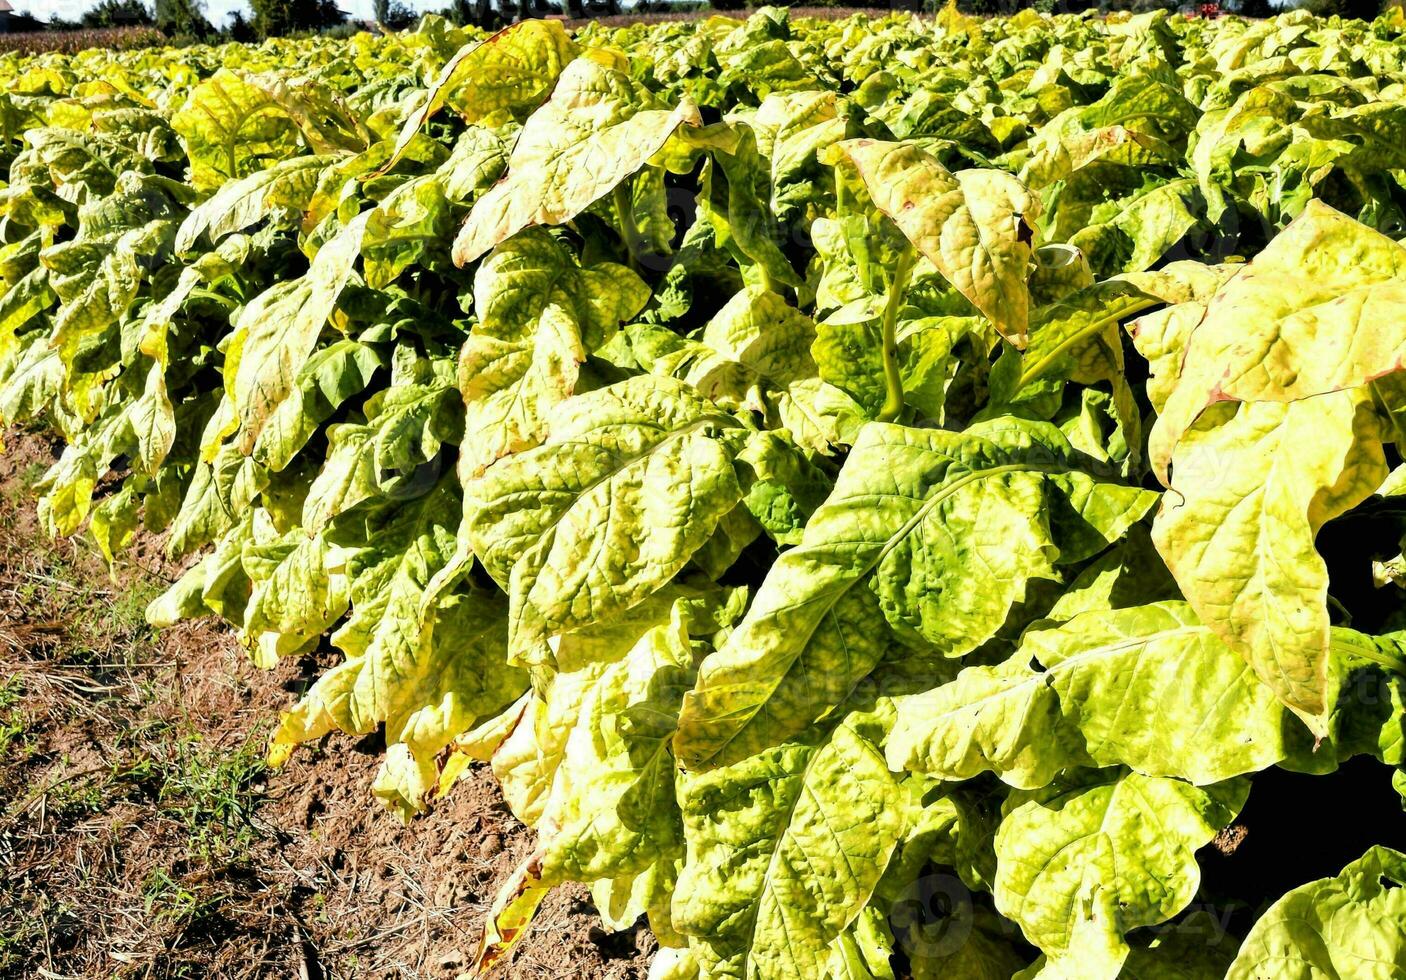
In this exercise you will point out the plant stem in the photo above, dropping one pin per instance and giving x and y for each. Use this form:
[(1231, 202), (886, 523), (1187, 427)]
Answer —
[(624, 209), (893, 380)]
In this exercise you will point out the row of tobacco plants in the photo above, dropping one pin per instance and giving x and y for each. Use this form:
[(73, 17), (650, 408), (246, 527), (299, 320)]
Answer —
[(822, 467)]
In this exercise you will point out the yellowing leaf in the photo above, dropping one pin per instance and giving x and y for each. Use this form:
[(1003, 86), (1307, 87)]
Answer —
[(784, 850), (1253, 484), (427, 677), (1130, 837), (277, 332), (599, 127), (973, 225), (232, 128), (514, 67), (1076, 696), (1347, 926), (540, 314), (934, 535), (630, 483), (1315, 312)]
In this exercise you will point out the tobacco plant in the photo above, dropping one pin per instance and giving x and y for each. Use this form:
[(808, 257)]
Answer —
[(816, 465)]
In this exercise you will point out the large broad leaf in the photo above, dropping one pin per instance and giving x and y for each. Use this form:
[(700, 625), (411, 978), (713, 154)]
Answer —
[(755, 355), (328, 378), (298, 591), (932, 534), (1253, 484), (409, 227), (848, 351), (1125, 842), (599, 127), (1056, 154), (220, 494), (1132, 233), (1080, 695), (405, 426), (277, 332), (529, 761), (972, 225), (1348, 926), (756, 339), (511, 386), (589, 765), (631, 482), (284, 187), (232, 128), (540, 313), (428, 676), (1297, 322), (602, 743), (1076, 337), (784, 850), (515, 67)]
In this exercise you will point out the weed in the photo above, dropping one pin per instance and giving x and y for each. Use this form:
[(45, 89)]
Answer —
[(210, 793), (167, 898)]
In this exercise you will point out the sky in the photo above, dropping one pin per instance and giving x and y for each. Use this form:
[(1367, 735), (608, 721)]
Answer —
[(216, 10)]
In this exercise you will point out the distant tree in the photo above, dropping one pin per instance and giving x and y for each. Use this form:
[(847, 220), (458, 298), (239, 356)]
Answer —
[(489, 15), (240, 29), (1361, 9), (393, 14), (183, 18), (275, 18), (118, 13), (475, 13), (1259, 9)]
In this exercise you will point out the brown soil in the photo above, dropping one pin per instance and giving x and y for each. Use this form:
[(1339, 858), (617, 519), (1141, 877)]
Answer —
[(142, 836)]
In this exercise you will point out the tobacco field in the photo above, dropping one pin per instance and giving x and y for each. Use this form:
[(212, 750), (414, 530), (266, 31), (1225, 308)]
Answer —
[(882, 495)]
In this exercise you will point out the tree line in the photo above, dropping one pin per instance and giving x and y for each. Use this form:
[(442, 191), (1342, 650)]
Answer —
[(186, 19)]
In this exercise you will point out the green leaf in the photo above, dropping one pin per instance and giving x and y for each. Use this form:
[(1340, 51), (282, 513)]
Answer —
[(299, 591), (277, 332), (1126, 840), (1073, 339), (530, 760), (329, 377), (408, 228), (612, 808), (784, 850), (935, 533), (221, 492), (1348, 926), (599, 127), (560, 527)]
